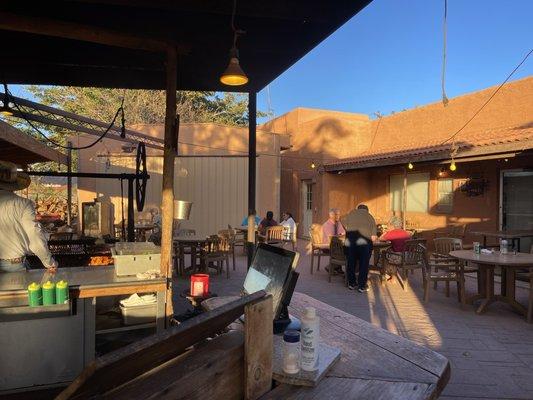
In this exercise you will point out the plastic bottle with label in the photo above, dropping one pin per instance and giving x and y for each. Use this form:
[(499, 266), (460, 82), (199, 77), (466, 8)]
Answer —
[(310, 339)]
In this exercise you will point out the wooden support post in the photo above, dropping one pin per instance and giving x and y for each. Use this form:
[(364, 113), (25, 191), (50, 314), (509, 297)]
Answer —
[(404, 199), (258, 348), (167, 202), (252, 153), (69, 184)]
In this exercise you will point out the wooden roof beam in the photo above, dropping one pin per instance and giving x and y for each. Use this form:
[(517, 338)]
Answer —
[(87, 33)]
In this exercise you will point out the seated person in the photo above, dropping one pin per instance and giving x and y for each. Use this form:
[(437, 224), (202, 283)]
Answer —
[(288, 222), (267, 222), (396, 235), (333, 226), (257, 219)]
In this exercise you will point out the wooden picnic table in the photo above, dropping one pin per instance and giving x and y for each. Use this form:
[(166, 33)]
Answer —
[(374, 363), (514, 235), (509, 263)]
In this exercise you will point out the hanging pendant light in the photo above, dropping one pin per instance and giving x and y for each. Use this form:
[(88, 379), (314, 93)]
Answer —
[(6, 110), (234, 75)]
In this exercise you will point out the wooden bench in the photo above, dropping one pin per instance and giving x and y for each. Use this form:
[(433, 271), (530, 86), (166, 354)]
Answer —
[(180, 364)]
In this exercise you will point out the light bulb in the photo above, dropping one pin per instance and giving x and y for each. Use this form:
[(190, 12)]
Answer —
[(453, 167), (410, 166), (313, 165)]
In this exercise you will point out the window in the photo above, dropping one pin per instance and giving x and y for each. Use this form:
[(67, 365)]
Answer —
[(445, 195), (309, 197), (417, 192)]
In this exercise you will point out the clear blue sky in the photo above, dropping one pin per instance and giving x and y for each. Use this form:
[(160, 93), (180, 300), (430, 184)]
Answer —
[(389, 56)]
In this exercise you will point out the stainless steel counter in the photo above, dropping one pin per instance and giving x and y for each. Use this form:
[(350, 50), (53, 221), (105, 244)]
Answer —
[(77, 278), (59, 343)]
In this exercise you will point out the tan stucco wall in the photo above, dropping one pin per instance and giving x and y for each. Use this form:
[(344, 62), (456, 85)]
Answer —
[(213, 139)]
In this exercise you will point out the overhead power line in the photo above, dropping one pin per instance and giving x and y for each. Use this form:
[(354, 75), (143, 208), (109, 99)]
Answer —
[(490, 98)]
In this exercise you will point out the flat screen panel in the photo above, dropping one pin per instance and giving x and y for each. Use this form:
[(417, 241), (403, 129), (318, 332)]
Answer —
[(270, 271)]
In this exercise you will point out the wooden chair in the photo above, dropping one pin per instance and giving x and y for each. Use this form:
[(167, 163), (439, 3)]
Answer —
[(443, 246), (440, 259), (274, 235), (229, 234), (443, 269), (170, 365), (318, 248), (215, 254), (526, 275), (337, 257), (293, 239), (239, 239), (408, 260), (456, 231)]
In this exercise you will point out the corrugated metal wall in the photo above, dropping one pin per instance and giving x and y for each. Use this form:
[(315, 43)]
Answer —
[(218, 187)]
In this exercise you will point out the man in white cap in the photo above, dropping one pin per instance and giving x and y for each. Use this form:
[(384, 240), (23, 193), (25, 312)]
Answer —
[(20, 233)]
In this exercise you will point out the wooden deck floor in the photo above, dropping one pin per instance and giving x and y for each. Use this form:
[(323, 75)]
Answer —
[(491, 355)]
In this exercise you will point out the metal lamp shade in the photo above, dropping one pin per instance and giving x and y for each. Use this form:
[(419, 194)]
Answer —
[(234, 75), (182, 209)]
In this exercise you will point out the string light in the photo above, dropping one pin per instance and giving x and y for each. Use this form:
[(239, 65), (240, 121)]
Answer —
[(6, 110), (453, 167)]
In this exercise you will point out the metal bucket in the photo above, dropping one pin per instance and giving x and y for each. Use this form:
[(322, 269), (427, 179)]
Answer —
[(182, 209)]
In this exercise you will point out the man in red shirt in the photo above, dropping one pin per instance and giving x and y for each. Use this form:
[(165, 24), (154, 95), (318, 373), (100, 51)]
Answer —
[(397, 236)]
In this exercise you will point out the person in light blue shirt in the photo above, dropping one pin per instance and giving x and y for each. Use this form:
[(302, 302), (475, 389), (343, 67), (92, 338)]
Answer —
[(257, 219)]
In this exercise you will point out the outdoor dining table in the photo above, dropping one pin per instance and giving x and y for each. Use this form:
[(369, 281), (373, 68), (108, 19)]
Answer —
[(195, 243), (514, 235), (508, 263)]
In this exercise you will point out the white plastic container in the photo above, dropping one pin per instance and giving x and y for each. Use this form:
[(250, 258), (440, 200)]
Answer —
[(133, 258), (138, 314), (504, 249), (310, 340)]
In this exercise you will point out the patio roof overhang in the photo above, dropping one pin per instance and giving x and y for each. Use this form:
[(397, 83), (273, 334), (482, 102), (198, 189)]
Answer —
[(505, 146), (47, 42), (21, 149)]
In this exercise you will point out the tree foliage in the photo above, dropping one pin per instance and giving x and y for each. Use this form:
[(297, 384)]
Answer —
[(142, 106)]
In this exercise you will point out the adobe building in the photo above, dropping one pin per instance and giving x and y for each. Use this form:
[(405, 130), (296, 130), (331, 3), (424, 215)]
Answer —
[(359, 160)]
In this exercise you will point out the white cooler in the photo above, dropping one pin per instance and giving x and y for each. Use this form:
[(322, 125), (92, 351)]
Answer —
[(132, 258)]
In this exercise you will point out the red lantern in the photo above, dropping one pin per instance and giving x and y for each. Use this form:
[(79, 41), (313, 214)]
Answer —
[(199, 285)]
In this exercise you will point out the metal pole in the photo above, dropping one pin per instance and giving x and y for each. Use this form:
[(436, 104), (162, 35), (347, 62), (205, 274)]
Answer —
[(167, 200), (69, 184), (131, 214), (252, 153)]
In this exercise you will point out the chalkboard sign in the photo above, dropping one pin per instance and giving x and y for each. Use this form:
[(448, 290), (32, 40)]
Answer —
[(270, 271)]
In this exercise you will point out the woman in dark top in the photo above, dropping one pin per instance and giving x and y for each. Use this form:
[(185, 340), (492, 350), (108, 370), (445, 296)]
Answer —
[(266, 222)]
